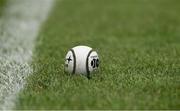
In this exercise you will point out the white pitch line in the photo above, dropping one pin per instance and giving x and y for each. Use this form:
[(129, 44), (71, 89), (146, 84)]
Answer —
[(19, 26)]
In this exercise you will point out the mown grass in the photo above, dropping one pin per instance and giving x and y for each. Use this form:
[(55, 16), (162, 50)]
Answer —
[(2, 3), (139, 46)]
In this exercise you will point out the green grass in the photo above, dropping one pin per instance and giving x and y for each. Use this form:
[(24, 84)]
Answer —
[(138, 42), (2, 3)]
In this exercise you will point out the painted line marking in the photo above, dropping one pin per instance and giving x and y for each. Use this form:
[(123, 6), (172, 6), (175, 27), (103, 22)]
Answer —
[(19, 26)]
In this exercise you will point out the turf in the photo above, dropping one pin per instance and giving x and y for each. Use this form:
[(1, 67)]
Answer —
[(139, 46), (2, 3)]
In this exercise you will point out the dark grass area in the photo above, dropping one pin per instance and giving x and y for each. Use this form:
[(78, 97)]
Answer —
[(139, 46), (2, 3)]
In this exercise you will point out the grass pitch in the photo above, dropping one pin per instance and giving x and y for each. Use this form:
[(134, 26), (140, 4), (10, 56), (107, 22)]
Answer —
[(138, 42), (2, 3)]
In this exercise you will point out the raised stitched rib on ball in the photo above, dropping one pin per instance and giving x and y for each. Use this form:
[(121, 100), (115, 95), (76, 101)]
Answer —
[(74, 65), (87, 64)]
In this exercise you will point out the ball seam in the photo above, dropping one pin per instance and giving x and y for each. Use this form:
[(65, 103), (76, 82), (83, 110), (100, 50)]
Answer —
[(74, 65), (87, 63)]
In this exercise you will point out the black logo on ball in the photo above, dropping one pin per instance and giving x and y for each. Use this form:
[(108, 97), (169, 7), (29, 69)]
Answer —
[(95, 63), (68, 61)]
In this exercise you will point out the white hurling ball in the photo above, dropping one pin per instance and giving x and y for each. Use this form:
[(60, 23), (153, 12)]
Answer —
[(81, 60)]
